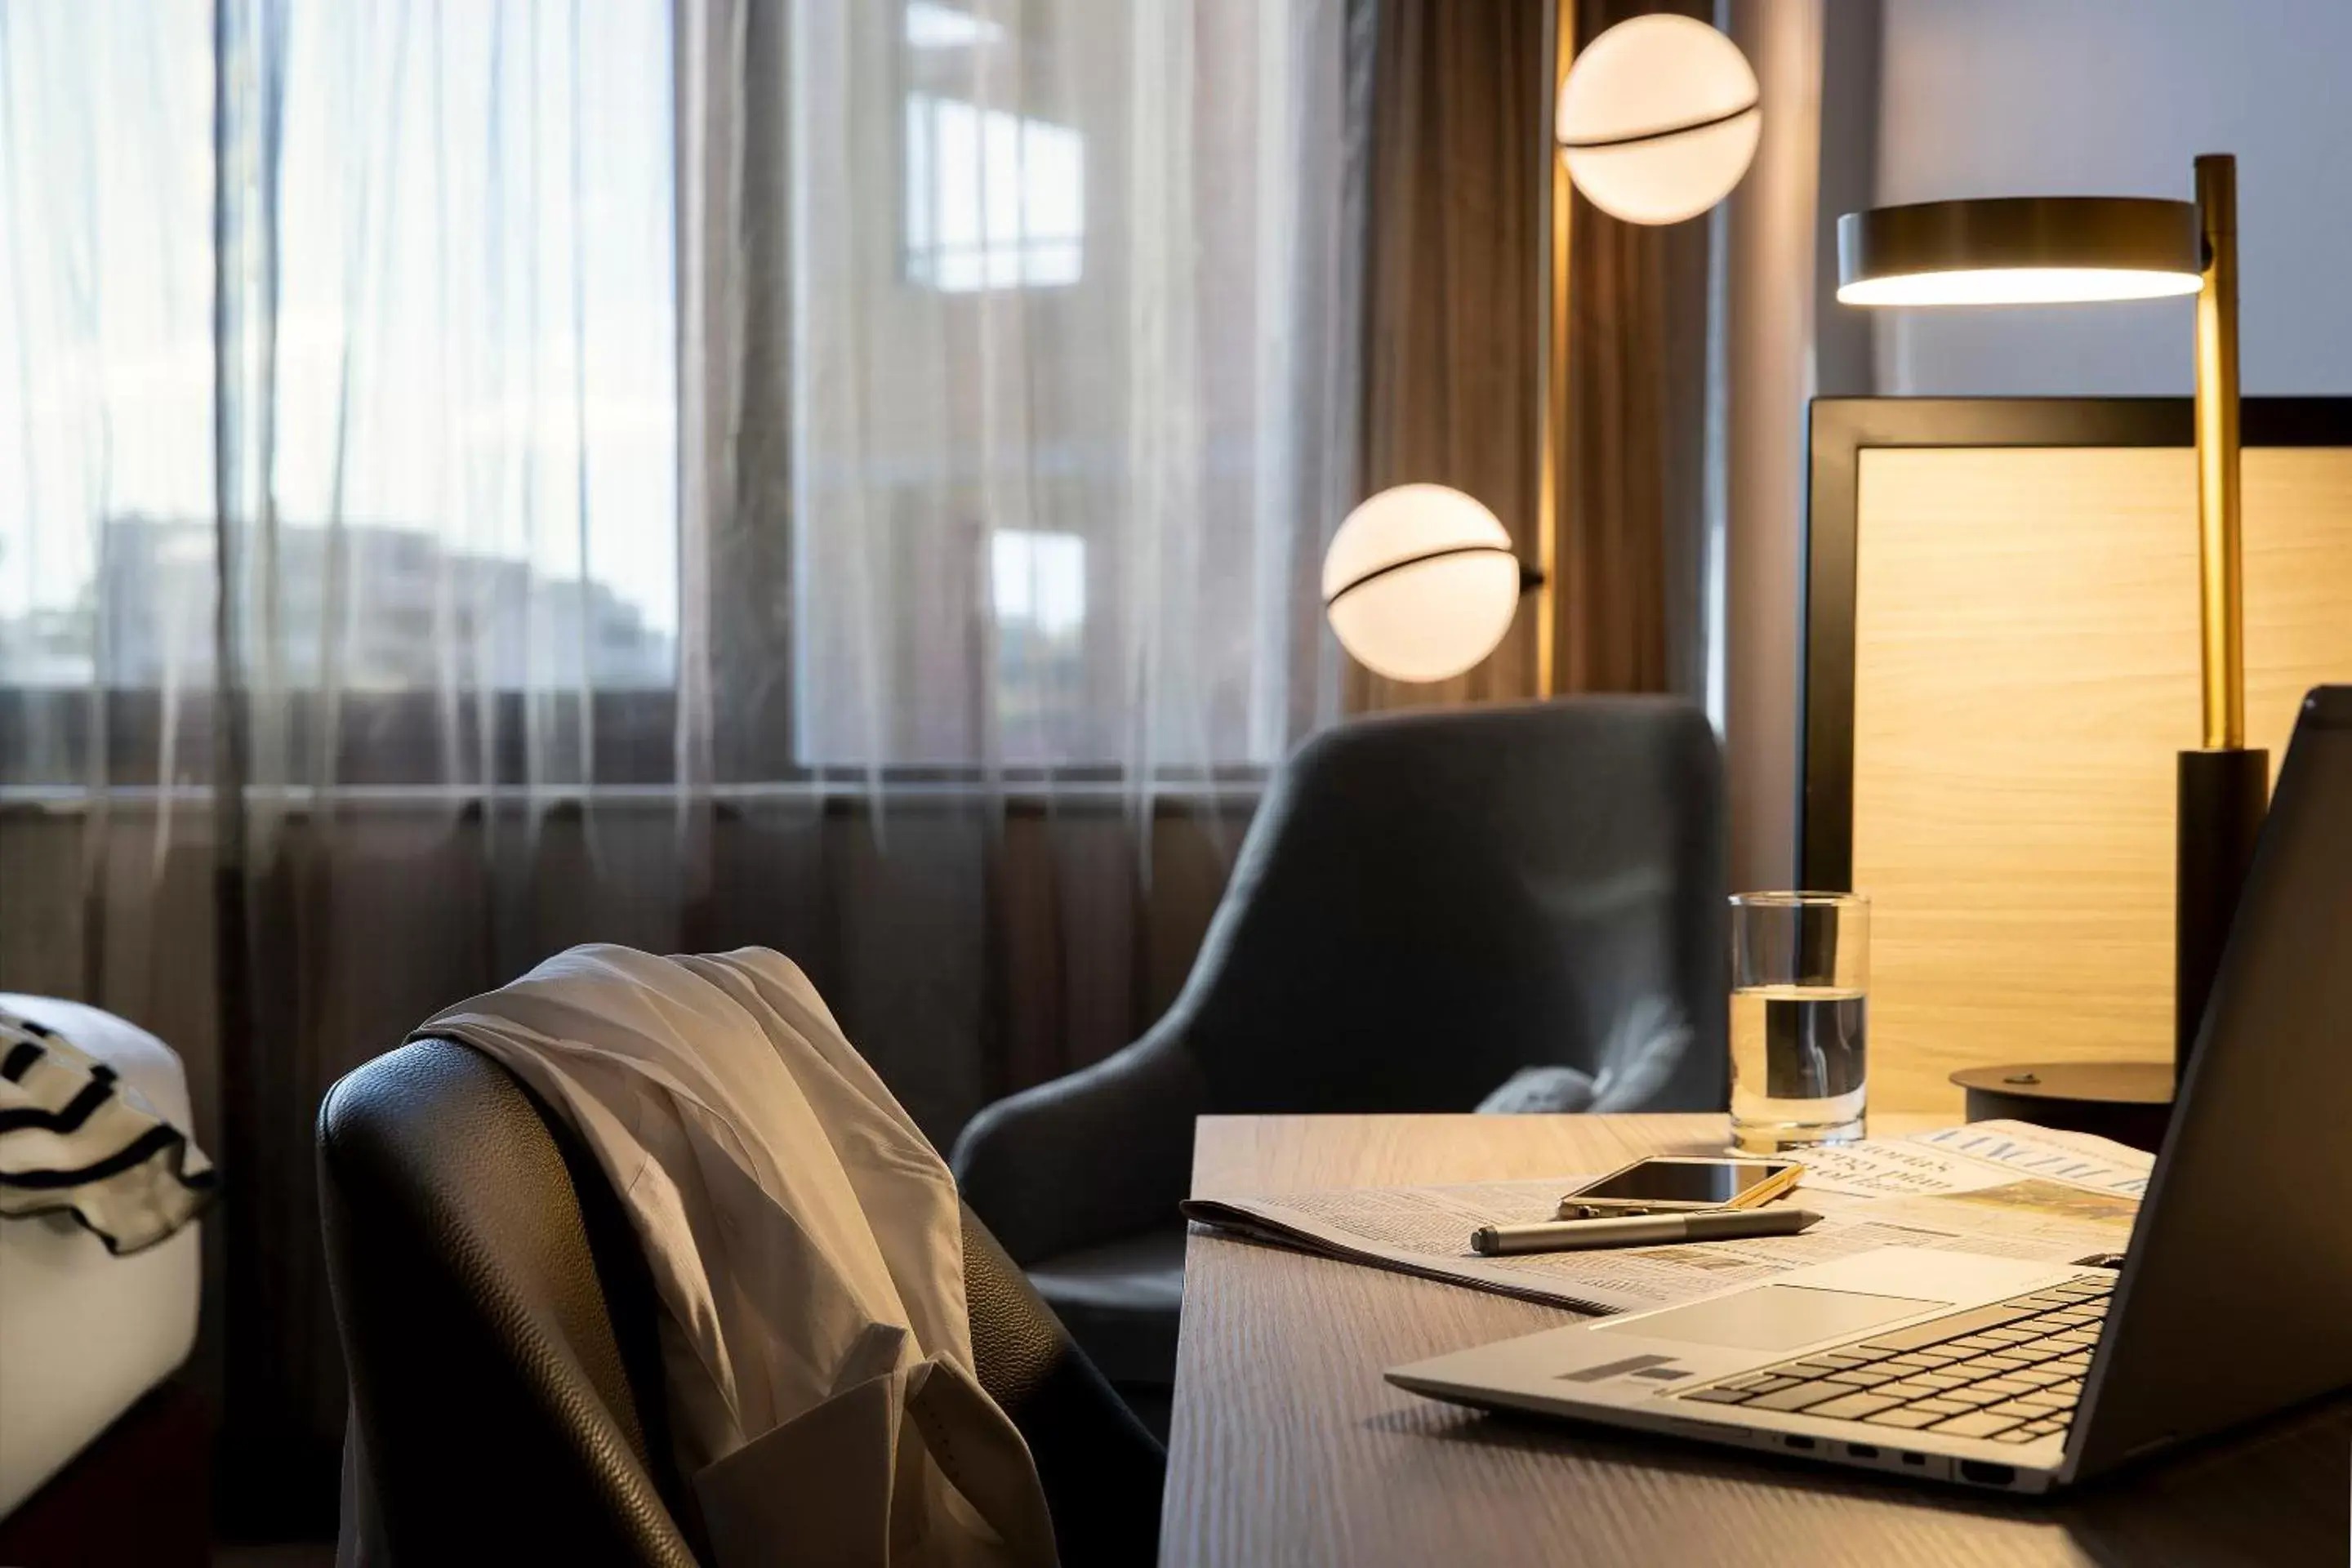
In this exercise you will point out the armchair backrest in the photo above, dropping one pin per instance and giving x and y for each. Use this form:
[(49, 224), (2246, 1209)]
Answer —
[(498, 1324), (1428, 902)]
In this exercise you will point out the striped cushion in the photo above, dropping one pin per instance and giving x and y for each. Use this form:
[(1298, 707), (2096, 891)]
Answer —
[(76, 1139)]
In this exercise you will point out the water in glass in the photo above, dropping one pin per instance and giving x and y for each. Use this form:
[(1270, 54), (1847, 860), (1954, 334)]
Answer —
[(1798, 1058)]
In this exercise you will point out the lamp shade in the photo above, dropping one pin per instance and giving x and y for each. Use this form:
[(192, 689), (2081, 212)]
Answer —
[(1420, 583), (2018, 250), (1658, 119)]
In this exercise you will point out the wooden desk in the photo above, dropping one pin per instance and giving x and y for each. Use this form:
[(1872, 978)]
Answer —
[(1287, 1448)]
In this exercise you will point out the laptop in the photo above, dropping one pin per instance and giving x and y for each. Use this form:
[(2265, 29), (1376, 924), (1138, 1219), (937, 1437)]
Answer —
[(2235, 1300)]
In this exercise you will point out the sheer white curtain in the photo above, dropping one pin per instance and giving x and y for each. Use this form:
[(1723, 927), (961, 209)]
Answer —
[(433, 438), (338, 552), (1021, 396), (1059, 423), (481, 475)]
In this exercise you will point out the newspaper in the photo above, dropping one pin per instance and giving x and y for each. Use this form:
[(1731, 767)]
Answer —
[(1998, 1187)]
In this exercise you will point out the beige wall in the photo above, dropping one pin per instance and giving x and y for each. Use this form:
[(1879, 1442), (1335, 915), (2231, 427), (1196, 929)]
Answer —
[(1986, 98)]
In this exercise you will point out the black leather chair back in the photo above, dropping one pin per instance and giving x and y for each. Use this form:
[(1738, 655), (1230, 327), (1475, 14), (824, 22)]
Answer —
[(1428, 902), (498, 1324)]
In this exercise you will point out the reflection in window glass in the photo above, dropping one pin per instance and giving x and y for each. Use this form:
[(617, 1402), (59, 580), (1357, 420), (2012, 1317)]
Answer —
[(1038, 581), (930, 25), (1070, 386), (993, 201), (1037, 588)]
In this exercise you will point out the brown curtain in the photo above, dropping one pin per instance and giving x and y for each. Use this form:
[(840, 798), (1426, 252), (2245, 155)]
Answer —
[(1454, 349), (1631, 552)]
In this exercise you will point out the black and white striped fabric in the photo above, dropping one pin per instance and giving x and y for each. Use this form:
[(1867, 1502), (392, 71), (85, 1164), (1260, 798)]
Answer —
[(75, 1139)]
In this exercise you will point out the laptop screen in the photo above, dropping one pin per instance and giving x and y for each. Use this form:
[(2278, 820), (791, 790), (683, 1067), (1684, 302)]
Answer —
[(2232, 1300)]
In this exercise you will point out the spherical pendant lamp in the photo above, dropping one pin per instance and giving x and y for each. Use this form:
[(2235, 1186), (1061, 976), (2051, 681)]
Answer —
[(1420, 583), (1658, 119)]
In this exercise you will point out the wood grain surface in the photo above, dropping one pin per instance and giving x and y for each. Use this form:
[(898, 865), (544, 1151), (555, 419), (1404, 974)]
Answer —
[(2025, 671), (1287, 1448)]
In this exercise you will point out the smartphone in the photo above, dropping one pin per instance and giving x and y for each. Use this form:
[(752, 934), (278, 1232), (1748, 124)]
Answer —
[(1671, 1184)]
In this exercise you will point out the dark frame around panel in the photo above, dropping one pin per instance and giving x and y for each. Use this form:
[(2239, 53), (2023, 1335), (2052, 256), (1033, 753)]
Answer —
[(1842, 429)]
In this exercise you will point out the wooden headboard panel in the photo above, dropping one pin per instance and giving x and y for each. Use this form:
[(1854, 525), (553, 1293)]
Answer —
[(2001, 663)]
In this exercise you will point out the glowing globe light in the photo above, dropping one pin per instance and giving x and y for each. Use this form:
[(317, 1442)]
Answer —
[(1658, 119), (1420, 583)]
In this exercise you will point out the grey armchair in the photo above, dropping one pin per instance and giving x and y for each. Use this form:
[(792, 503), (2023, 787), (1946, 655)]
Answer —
[(1426, 905)]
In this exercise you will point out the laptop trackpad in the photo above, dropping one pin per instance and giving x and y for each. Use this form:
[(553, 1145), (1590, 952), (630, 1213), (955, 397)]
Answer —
[(1774, 1318)]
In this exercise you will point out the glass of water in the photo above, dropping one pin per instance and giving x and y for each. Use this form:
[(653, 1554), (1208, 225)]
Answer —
[(1800, 983)]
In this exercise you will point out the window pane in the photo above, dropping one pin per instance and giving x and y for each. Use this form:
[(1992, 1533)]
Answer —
[(105, 325), (1053, 184), (1058, 432), (992, 200), (470, 399)]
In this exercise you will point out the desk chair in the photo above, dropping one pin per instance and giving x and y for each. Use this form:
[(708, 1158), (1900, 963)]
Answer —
[(498, 1320), (1426, 906)]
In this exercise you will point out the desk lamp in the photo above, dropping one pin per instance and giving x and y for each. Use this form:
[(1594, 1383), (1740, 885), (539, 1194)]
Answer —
[(2064, 249)]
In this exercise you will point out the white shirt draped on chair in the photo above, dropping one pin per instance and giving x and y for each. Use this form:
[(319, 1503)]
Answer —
[(806, 1244)]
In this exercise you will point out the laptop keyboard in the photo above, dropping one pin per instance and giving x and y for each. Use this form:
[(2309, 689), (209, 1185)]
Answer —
[(2012, 1372)]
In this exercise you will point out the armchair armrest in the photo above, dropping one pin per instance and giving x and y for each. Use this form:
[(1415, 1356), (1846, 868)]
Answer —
[(1102, 1153)]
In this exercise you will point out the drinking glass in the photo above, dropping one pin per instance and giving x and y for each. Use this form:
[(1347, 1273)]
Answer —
[(1799, 1007)]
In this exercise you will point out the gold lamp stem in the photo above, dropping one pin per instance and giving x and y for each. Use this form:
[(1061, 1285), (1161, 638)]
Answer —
[(2219, 574), (1552, 485)]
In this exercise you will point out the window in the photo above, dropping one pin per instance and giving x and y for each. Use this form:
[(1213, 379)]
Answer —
[(1025, 474), (993, 201), (1063, 420), (474, 336)]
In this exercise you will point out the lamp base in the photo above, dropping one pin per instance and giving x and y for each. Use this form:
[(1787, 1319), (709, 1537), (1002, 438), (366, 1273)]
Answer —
[(2223, 796), (2129, 1102)]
